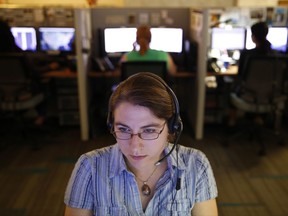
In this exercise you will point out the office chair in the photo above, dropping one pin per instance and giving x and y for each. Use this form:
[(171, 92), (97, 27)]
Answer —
[(263, 94), (132, 67), (16, 97)]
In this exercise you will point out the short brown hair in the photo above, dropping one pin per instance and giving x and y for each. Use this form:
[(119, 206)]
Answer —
[(260, 30), (143, 90)]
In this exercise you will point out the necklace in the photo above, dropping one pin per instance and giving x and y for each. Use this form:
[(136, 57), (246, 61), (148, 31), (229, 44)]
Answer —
[(146, 190)]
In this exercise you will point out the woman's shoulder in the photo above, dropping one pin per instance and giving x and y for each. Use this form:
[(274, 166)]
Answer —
[(189, 153), (131, 55), (101, 153), (158, 52)]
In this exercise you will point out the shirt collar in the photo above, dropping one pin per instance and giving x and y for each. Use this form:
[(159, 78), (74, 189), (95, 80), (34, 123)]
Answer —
[(172, 159), (118, 165)]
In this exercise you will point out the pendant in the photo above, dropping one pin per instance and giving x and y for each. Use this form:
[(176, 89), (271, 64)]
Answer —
[(146, 191)]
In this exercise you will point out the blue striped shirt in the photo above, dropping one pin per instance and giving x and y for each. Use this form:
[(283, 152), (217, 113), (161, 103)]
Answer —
[(101, 182)]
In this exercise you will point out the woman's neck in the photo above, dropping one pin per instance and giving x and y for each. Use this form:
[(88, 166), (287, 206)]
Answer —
[(145, 171)]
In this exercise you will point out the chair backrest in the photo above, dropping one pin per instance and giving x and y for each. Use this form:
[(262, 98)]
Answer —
[(14, 74), (264, 77), (132, 67)]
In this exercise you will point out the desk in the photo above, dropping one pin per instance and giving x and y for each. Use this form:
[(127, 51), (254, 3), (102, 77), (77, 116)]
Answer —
[(67, 103), (64, 73), (231, 71), (218, 86), (104, 74)]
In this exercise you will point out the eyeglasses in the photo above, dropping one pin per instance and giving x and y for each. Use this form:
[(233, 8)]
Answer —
[(147, 134)]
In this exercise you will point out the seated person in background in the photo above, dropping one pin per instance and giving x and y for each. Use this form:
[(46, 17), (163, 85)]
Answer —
[(259, 33), (143, 39), (8, 45), (7, 41)]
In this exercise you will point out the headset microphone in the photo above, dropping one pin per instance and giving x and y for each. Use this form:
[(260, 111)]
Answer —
[(174, 145), (163, 158)]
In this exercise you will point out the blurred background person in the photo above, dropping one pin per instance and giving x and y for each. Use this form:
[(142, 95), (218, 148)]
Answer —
[(145, 53)]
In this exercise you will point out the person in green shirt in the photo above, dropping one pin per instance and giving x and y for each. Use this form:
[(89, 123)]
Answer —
[(145, 53)]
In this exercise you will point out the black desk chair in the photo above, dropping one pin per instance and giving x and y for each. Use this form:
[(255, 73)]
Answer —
[(132, 67), (16, 96), (262, 93)]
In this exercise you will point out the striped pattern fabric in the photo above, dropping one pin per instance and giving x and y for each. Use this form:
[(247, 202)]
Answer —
[(101, 182)]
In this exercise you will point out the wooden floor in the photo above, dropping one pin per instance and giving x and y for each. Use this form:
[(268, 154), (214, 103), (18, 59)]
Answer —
[(33, 181)]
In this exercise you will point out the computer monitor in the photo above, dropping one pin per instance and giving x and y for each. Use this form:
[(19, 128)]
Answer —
[(167, 39), (121, 40), (228, 38), (277, 36), (25, 38), (59, 39)]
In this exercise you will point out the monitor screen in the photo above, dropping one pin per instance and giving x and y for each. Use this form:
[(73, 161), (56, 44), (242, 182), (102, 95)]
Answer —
[(121, 40), (277, 36), (228, 39), (167, 39), (57, 39), (25, 38)]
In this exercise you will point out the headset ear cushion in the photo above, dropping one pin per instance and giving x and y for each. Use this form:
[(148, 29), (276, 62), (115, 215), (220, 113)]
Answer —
[(174, 124), (109, 121), (171, 125)]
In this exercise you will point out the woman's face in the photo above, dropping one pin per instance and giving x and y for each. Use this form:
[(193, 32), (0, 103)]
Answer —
[(137, 119)]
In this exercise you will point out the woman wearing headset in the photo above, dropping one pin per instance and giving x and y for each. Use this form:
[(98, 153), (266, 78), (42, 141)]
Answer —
[(145, 172)]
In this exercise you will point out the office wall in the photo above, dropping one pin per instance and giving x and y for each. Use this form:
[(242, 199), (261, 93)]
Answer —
[(248, 3), (179, 3), (56, 16), (149, 3), (283, 2), (47, 2), (128, 3), (74, 3)]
